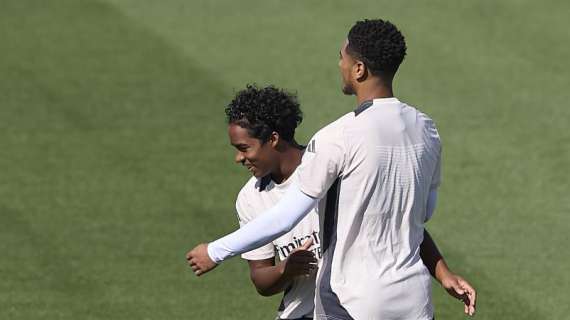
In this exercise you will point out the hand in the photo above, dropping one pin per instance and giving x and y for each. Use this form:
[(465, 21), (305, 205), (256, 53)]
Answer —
[(199, 260), (301, 262), (457, 287)]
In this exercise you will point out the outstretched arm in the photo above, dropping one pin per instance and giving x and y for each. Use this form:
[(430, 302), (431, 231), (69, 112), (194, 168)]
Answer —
[(275, 222)]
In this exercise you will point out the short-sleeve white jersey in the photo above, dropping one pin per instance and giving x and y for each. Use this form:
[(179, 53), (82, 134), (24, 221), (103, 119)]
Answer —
[(258, 195), (373, 170)]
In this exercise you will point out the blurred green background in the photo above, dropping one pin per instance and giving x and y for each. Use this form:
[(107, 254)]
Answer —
[(115, 161)]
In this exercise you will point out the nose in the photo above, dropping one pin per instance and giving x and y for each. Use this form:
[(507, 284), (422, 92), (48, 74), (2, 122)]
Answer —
[(239, 157)]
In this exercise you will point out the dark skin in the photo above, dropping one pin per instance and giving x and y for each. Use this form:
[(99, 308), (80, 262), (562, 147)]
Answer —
[(279, 159), (270, 278), (356, 76), (455, 285), (358, 80), (275, 157)]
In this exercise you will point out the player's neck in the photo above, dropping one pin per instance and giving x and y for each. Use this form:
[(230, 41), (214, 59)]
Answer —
[(374, 88), (376, 92), (290, 159)]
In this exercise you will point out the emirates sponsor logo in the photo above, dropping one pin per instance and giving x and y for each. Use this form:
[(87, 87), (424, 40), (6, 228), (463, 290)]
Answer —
[(285, 251)]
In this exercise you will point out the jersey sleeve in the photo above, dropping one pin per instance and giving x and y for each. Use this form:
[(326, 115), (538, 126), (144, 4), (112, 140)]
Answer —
[(435, 143), (431, 204), (436, 178), (246, 213), (268, 226), (322, 162)]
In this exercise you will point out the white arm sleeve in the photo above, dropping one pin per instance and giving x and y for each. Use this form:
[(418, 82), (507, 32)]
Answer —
[(271, 224), (432, 200)]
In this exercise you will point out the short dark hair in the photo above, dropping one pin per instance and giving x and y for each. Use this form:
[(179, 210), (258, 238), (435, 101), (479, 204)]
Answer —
[(379, 44), (263, 111)]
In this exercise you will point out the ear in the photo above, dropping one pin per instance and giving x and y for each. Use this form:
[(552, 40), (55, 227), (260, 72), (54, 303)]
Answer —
[(274, 139), (359, 71)]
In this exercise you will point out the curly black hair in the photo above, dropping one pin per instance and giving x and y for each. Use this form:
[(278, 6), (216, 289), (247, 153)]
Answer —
[(263, 111), (379, 44)]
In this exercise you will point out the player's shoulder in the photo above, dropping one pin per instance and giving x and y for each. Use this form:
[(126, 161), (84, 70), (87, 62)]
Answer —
[(248, 188), (428, 124), (330, 136), (334, 129), (247, 199), (420, 114), (425, 118)]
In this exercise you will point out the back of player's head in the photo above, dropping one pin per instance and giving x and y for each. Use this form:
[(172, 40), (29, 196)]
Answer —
[(379, 44), (263, 111)]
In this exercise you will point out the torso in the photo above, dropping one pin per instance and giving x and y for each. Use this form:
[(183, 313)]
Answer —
[(259, 195)]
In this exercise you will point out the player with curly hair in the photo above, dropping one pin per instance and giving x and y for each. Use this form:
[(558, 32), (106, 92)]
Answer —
[(261, 127), (374, 174)]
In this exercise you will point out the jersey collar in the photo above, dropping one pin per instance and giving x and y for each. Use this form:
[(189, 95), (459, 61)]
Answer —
[(368, 103), (363, 106)]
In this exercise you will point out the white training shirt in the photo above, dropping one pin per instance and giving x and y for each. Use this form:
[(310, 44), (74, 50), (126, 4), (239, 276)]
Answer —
[(258, 195), (373, 169)]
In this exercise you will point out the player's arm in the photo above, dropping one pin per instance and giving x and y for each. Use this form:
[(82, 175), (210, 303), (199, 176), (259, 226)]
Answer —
[(432, 258), (275, 222), (455, 285), (318, 170), (267, 277), (270, 279), (428, 250)]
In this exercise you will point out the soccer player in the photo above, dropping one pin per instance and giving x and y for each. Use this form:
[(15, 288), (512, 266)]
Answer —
[(374, 174), (261, 126)]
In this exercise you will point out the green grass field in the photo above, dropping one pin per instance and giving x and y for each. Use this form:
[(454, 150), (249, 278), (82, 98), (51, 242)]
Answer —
[(115, 160)]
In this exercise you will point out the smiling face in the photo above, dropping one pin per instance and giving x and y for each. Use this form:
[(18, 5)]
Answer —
[(259, 157)]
